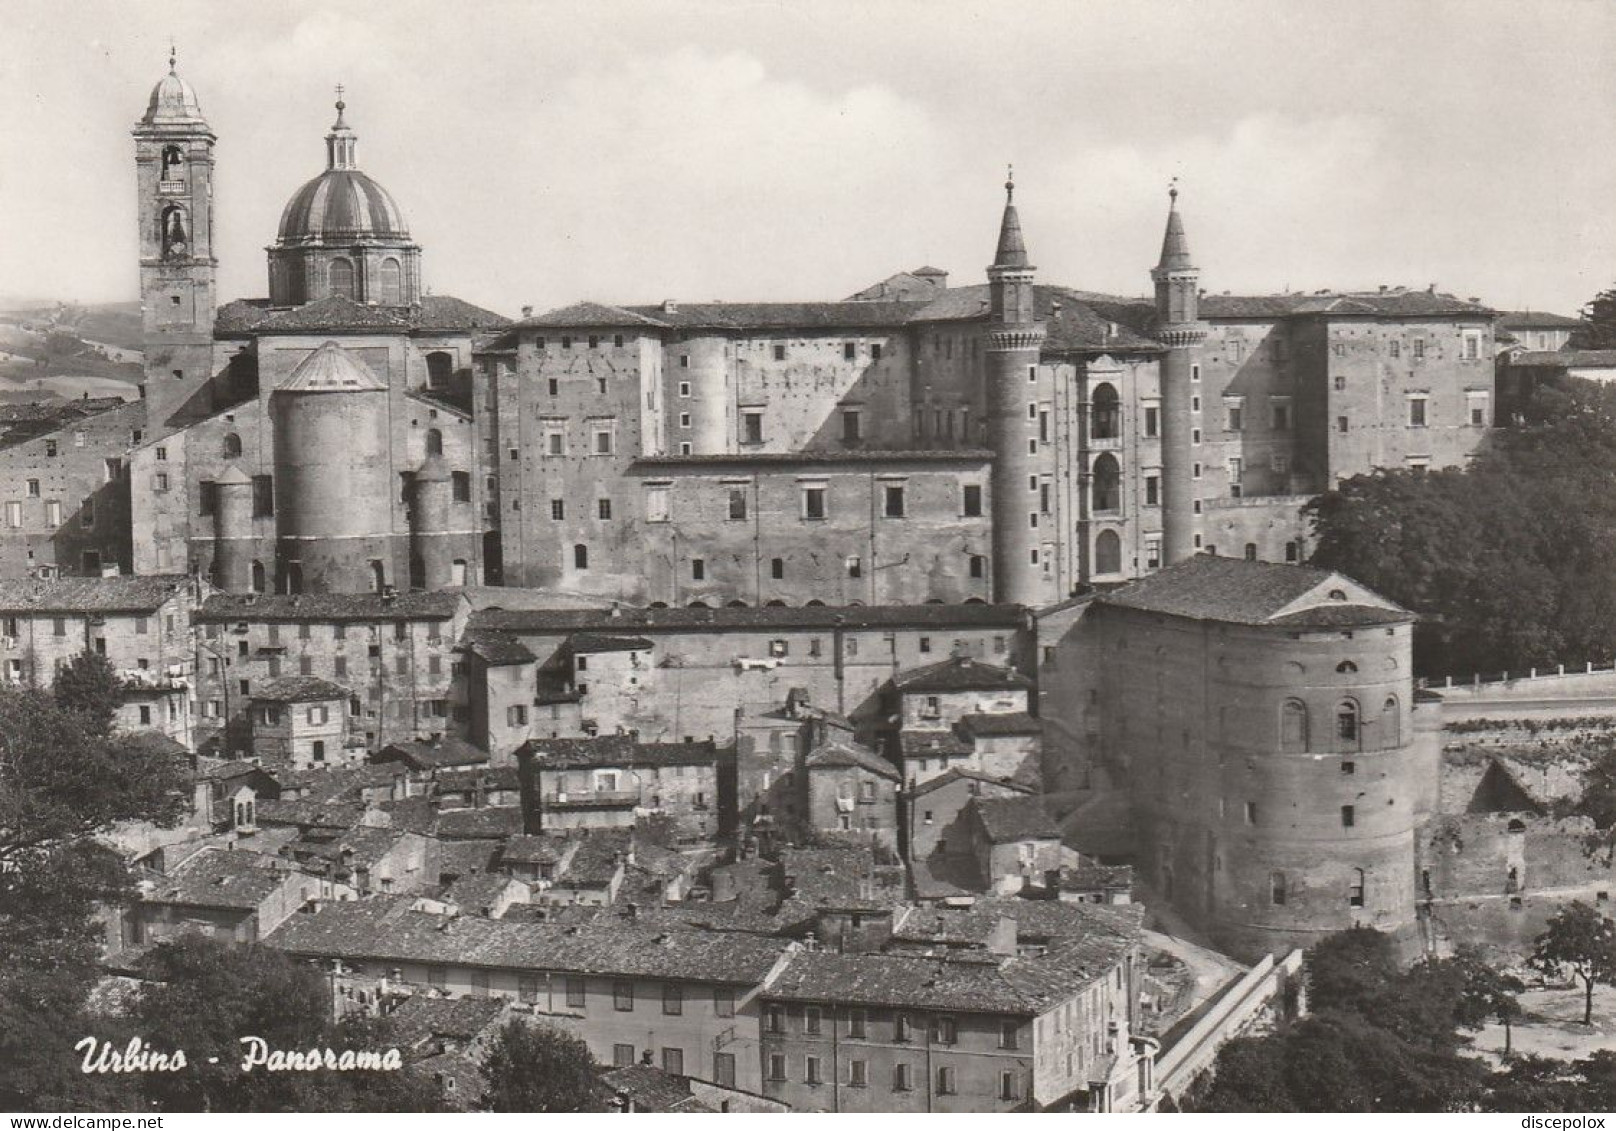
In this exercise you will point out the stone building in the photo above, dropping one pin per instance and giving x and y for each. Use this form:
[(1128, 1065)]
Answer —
[(231, 896), (301, 721), (1261, 721), (571, 783), (849, 788)]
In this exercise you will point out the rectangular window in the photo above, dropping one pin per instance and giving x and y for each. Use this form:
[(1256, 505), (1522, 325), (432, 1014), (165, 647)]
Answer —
[(1281, 415), (855, 1023), (894, 502), (777, 568), (813, 502), (875, 351), (811, 1020), (1419, 349), (1251, 812), (902, 1029), (1349, 816), (1234, 416), (858, 1074), (673, 1000), (1009, 1035), (437, 977), (1152, 490), (603, 508), (622, 1056), (516, 715), (462, 486), (656, 504), (774, 1020), (811, 1070), (1416, 412), (698, 569), (1340, 424), (902, 1081), (53, 513), (779, 353), (972, 500), (723, 1001), (623, 997), (603, 442), (751, 427), (777, 1066), (13, 514), (852, 426), (945, 1081), (1476, 404), (577, 993), (944, 1031), (737, 504), (1008, 1086), (1152, 421), (724, 1069), (33, 488)]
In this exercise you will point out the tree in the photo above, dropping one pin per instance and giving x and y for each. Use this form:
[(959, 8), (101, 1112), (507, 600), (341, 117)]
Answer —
[(205, 995), (534, 1068), (1598, 329), (1582, 941), (88, 685), (1487, 994), (62, 784)]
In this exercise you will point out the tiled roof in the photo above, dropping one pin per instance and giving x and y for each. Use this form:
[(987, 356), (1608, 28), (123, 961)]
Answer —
[(308, 813), (1537, 320), (959, 673), (1009, 819), (463, 777), (389, 931), (445, 312), (90, 594), (261, 607), (1037, 920), (447, 751), (237, 880), (332, 369), (819, 457), (361, 846), (1075, 321), (1564, 359), (589, 643), (334, 312), (931, 743), (979, 724), (647, 1087), (850, 755), (299, 689), (590, 315), (1394, 303), (526, 849), (780, 315), (615, 750), (950, 776), (436, 313), (497, 649), (1206, 587), (422, 1018), (492, 823), (824, 617)]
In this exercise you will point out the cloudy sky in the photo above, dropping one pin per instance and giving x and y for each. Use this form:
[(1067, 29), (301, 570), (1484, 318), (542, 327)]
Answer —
[(719, 149)]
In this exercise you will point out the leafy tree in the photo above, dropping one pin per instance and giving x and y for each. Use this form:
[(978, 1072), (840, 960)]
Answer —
[(62, 784), (534, 1068), (206, 995), (1350, 969), (1487, 994), (1582, 941), (89, 686), (1598, 329)]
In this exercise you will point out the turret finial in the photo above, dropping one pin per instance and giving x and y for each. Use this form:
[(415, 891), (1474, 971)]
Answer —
[(1009, 183), (341, 105), (1172, 191), (171, 54)]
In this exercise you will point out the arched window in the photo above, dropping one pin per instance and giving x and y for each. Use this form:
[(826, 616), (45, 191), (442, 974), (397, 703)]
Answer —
[(378, 576), (1293, 727), (174, 232), (258, 577), (1346, 722), (294, 577), (1391, 723), (697, 605), (434, 442), (232, 445), (580, 556), (1338, 594), (390, 283), (1108, 552), (1346, 667), (1355, 893), (1105, 414), (173, 163), (439, 368), (341, 274), (1277, 893), (1107, 483)]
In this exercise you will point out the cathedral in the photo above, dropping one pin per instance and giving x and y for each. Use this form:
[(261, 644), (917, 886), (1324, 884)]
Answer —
[(1005, 440)]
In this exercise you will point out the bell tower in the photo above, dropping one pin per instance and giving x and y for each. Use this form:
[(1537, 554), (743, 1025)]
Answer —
[(174, 211)]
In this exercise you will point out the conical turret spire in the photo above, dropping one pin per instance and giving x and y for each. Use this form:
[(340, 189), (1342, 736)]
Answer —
[(1012, 248), (1175, 253)]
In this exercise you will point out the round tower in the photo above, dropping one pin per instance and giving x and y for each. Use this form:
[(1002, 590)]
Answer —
[(333, 477), (429, 524), (1180, 329), (232, 530), (1014, 340)]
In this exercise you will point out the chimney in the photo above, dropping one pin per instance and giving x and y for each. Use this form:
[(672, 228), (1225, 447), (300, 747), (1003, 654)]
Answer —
[(527, 312), (1383, 288), (669, 306)]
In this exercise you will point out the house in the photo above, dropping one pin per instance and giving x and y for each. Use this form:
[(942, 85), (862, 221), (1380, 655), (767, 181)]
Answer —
[(536, 859), (232, 896), (605, 782), (849, 788), (368, 860), (928, 705), (1015, 840), (301, 721), (447, 1039), (423, 758), (934, 811)]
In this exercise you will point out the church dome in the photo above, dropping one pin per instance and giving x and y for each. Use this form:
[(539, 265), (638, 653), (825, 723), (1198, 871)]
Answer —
[(341, 205)]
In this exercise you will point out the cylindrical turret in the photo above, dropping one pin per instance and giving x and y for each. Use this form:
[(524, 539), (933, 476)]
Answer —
[(232, 530), (333, 477), (429, 524), (1180, 329), (1014, 342), (702, 364)]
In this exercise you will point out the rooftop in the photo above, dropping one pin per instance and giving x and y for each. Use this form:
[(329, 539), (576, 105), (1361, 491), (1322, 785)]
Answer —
[(1009, 819), (264, 607), (86, 595), (240, 881), (1537, 320), (825, 617), (980, 724), (1564, 359), (1237, 591), (434, 314), (850, 755), (959, 673), (817, 458), (388, 930), (954, 774), (299, 689), (615, 750)]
